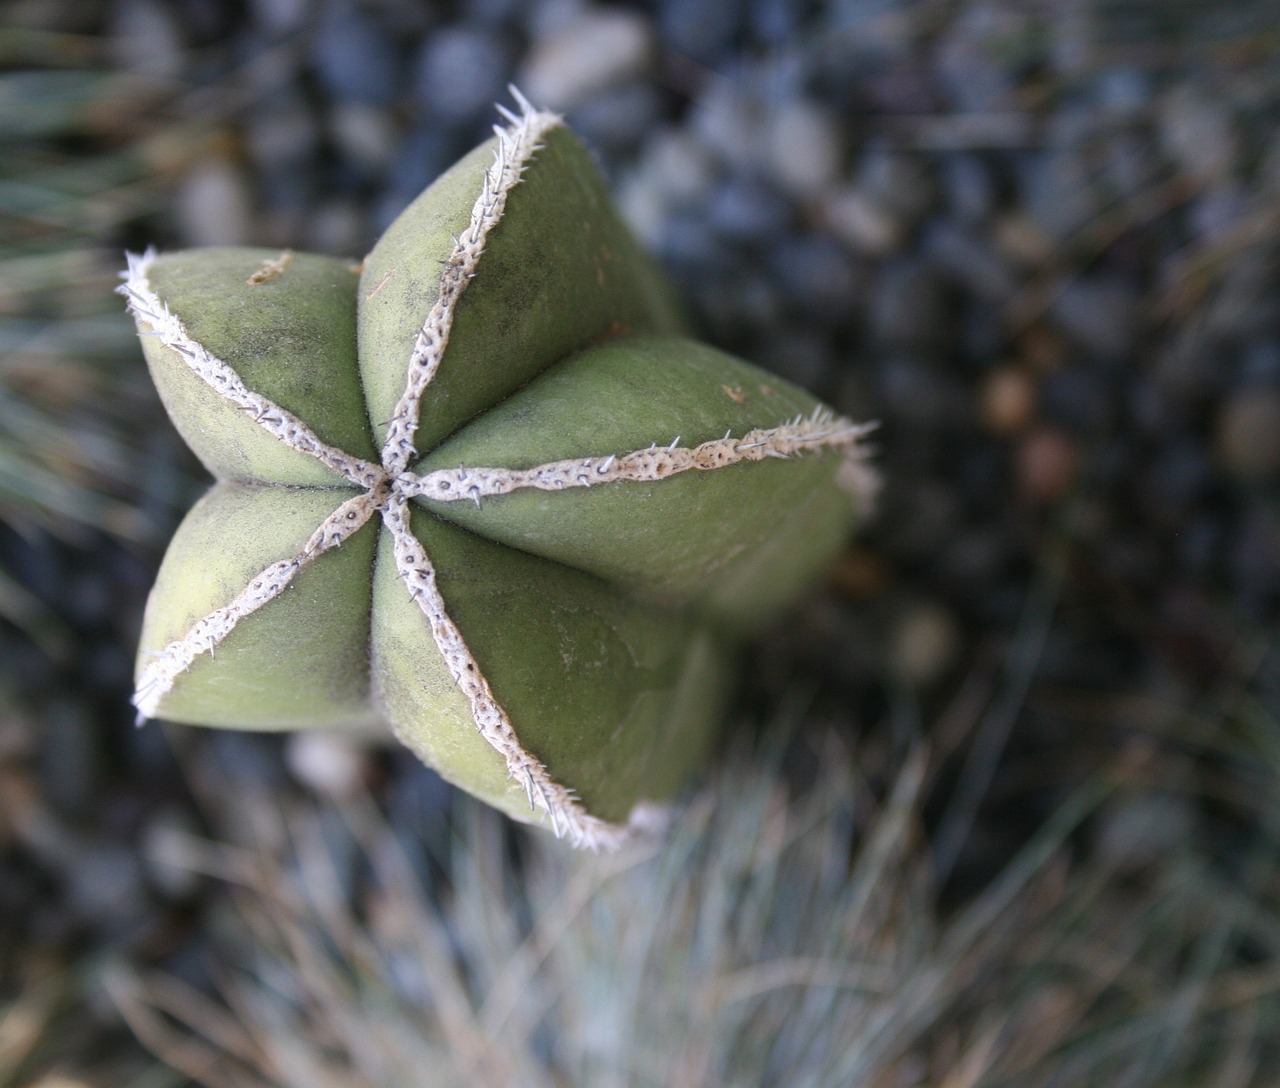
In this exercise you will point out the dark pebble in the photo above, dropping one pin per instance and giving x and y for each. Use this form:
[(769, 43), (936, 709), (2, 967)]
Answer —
[(1260, 363), (1100, 314), (702, 29), (1130, 561), (1247, 434), (1077, 399), (973, 561), (354, 58), (70, 763), (1199, 545), (281, 16), (1255, 554), (107, 887), (907, 306), (617, 118), (1180, 475), (816, 276), (1122, 90), (925, 520), (492, 12), (687, 246), (920, 396), (968, 187), (108, 667), (745, 208), (801, 355), (773, 22), (970, 261), (1148, 406), (1059, 192), (459, 73), (982, 335), (89, 600), (738, 309), (246, 759), (982, 474), (900, 182), (1126, 166)]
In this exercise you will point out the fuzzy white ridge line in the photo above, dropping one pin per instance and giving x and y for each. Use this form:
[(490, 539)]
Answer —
[(148, 308), (158, 677), (820, 431), (567, 815), (517, 144)]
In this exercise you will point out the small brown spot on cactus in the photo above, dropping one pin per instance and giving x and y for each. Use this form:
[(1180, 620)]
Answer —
[(381, 284), (271, 269), (735, 393)]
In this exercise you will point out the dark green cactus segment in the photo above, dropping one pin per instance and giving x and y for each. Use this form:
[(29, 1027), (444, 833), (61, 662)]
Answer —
[(625, 394), (400, 281), (688, 539), (290, 338), (558, 272), (612, 693), (300, 661)]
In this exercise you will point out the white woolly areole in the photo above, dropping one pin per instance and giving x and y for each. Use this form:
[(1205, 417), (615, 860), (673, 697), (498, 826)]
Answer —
[(388, 487)]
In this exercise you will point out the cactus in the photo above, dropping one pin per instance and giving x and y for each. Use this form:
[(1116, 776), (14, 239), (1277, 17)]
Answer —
[(482, 489)]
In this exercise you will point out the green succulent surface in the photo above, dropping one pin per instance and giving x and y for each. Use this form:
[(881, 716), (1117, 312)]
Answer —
[(481, 489)]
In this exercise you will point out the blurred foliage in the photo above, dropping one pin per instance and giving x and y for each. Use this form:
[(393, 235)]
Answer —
[(84, 154), (780, 936)]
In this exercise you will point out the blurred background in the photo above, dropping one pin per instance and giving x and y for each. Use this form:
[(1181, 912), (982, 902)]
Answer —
[(1000, 803)]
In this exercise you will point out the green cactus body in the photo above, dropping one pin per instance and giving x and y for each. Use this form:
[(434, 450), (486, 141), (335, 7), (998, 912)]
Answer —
[(482, 490)]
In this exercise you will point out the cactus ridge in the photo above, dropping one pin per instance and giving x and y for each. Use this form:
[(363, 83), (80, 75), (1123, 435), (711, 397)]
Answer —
[(148, 309), (387, 488), (567, 815), (517, 144), (162, 671), (820, 431)]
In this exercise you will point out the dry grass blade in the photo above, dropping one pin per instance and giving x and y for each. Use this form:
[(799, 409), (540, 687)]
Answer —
[(777, 937)]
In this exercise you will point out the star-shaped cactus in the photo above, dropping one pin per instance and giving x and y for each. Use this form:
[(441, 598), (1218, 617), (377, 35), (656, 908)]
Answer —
[(480, 489)]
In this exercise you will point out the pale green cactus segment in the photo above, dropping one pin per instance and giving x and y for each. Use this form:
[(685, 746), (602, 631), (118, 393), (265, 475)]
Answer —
[(301, 660), (400, 280), (290, 338), (558, 271), (611, 694), (687, 537)]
